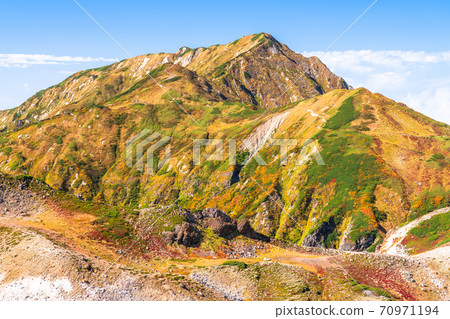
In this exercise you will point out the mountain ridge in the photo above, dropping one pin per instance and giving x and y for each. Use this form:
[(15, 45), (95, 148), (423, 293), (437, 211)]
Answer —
[(94, 86)]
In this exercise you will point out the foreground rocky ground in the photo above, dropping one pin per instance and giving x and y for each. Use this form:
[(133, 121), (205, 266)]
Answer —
[(50, 253)]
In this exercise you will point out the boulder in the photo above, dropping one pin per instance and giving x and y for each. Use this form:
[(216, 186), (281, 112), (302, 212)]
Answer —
[(168, 237), (187, 234), (220, 227), (189, 216), (220, 223), (245, 229), (214, 213)]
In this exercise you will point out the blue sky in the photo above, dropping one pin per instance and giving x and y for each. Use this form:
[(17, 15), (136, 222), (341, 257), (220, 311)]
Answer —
[(399, 48)]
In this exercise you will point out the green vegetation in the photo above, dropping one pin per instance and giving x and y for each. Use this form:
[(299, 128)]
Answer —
[(345, 114), (157, 71), (256, 36), (430, 233), (241, 157), (39, 94), (374, 246), (354, 174), (428, 201), (245, 113), (7, 150), (352, 170), (438, 160), (241, 265), (211, 241), (360, 288), (263, 39), (58, 139), (103, 68), (175, 78), (433, 226), (171, 95), (73, 146), (361, 227), (119, 118), (220, 70), (19, 160)]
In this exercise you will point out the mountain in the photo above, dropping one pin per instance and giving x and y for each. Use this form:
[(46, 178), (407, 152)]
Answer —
[(359, 165), (255, 69)]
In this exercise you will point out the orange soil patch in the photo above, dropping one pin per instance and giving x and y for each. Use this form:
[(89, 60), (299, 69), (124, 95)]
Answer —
[(69, 229), (312, 263)]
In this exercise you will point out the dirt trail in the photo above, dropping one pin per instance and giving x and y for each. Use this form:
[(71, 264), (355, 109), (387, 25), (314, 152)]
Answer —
[(315, 264), (392, 244)]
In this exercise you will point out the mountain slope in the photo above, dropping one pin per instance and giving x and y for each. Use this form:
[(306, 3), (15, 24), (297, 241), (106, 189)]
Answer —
[(374, 177), (61, 251)]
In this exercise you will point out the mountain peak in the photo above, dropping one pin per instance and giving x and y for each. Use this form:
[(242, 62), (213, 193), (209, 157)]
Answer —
[(264, 35), (255, 39)]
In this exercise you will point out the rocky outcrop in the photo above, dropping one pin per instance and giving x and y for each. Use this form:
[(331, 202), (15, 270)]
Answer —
[(185, 234), (18, 203), (318, 236), (220, 223), (220, 227), (213, 213), (265, 221), (189, 235), (261, 135), (244, 228), (361, 243)]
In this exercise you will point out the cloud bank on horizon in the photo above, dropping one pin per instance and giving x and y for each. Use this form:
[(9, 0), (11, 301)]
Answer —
[(26, 60), (417, 78)]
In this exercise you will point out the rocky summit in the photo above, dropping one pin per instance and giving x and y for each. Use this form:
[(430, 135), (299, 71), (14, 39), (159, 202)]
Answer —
[(312, 176)]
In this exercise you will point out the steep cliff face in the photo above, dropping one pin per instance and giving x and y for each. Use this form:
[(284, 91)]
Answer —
[(266, 72)]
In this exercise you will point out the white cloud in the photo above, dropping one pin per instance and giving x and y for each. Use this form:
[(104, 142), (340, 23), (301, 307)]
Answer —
[(26, 60), (364, 60), (393, 80), (434, 102)]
